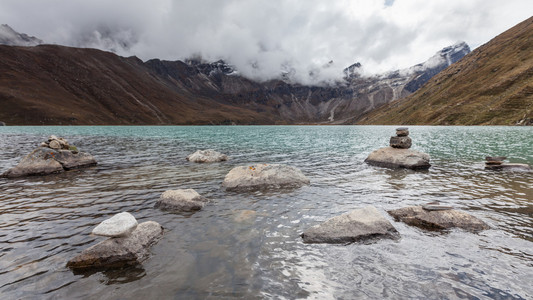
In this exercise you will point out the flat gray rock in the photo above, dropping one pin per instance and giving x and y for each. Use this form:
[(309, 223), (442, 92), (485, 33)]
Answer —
[(39, 162), (437, 219), (389, 157), (264, 176), (181, 200), (207, 156), (121, 224), (44, 161), (355, 226), (118, 252)]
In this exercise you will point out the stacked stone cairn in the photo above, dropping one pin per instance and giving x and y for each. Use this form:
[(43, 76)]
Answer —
[(398, 155), (402, 139), (128, 243), (55, 155), (496, 163), (59, 144)]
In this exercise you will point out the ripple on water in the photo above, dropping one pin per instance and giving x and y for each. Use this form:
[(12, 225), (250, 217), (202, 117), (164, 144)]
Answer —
[(247, 245)]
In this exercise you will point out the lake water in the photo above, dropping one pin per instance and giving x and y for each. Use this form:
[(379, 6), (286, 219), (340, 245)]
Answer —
[(247, 245)]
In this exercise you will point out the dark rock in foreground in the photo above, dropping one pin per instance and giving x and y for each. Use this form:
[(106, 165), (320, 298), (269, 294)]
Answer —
[(437, 219), (43, 161), (389, 157), (120, 251), (356, 226), (181, 200)]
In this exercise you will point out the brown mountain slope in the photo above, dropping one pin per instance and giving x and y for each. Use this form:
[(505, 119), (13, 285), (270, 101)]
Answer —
[(62, 85), (493, 85)]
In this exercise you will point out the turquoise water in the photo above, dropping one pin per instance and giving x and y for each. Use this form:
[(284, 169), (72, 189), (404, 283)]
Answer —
[(247, 245)]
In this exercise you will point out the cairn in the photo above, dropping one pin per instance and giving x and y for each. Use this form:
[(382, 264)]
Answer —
[(402, 139), (496, 163), (59, 144), (398, 155), (493, 161)]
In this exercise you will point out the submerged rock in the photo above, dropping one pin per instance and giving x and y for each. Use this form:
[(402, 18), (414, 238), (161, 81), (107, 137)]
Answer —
[(120, 251), (437, 219), (207, 156), (399, 158), (355, 226), (263, 175), (119, 225), (181, 200)]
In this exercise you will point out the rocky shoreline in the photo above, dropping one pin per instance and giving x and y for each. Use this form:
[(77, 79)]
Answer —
[(128, 242)]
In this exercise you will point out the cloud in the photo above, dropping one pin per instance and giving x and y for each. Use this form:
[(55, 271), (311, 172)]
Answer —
[(263, 37)]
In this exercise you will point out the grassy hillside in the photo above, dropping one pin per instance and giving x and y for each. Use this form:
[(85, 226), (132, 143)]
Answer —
[(493, 85)]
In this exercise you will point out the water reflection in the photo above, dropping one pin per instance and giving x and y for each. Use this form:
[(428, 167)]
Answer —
[(247, 245)]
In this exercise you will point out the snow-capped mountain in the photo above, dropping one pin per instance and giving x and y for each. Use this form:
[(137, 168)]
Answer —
[(8, 36), (203, 86)]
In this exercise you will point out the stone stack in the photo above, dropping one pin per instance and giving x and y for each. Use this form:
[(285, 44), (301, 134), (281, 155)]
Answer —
[(55, 155), (128, 243), (402, 139), (496, 163), (493, 161), (59, 144), (398, 155)]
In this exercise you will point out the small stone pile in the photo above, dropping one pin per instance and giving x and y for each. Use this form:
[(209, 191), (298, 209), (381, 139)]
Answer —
[(402, 139), (492, 161), (398, 155), (496, 163), (58, 144), (128, 243)]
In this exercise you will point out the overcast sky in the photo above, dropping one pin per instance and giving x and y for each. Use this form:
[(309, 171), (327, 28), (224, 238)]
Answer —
[(262, 37)]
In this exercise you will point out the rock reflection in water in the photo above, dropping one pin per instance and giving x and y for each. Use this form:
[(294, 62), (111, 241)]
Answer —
[(247, 245)]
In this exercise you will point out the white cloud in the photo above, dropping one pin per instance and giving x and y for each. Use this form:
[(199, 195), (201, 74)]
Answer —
[(262, 37)]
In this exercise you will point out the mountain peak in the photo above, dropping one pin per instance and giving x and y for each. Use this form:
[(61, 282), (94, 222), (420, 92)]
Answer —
[(10, 37)]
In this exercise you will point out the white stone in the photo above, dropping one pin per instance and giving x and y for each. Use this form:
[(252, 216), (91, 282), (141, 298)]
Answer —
[(207, 156), (119, 225), (264, 175)]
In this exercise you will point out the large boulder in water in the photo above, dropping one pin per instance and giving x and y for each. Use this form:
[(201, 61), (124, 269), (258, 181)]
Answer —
[(120, 251), (39, 162), (181, 200), (121, 224), (390, 157), (43, 161), (207, 156), (436, 219), (356, 226), (264, 176)]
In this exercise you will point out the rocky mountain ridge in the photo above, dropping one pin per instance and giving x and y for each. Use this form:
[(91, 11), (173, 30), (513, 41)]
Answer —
[(493, 85), (63, 85), (8, 36)]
